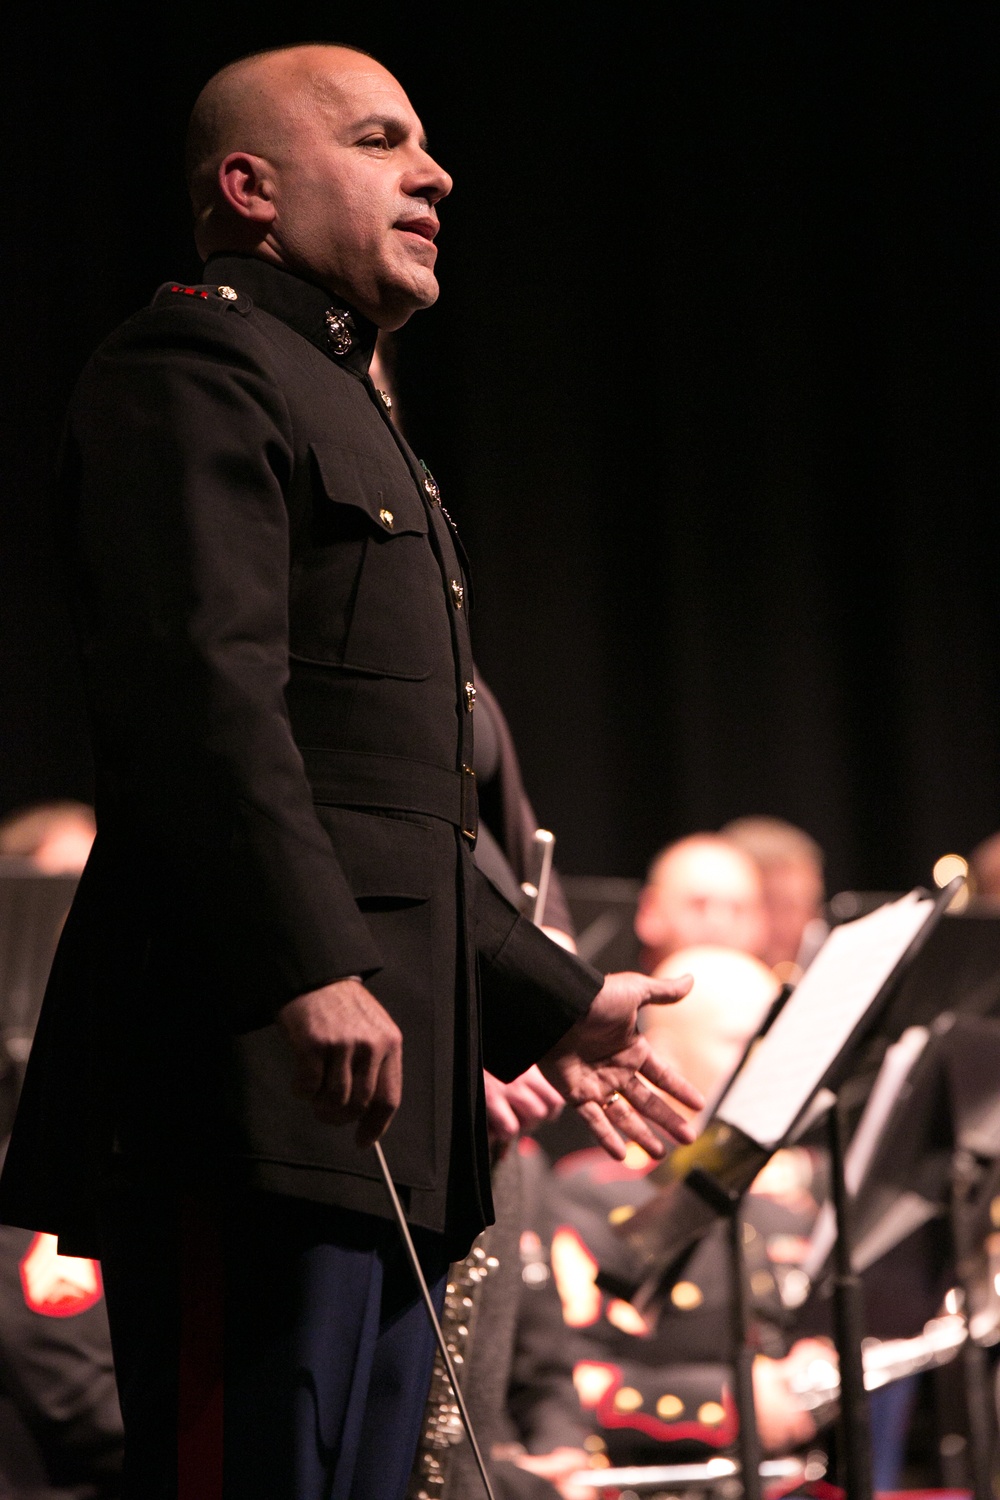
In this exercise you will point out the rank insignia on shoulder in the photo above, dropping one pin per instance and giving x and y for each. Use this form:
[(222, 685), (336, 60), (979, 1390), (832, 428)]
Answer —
[(220, 297)]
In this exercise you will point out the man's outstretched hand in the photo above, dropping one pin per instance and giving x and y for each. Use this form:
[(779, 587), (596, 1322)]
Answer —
[(604, 1067), (348, 1056)]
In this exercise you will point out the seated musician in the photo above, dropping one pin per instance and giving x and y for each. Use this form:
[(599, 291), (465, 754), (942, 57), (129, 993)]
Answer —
[(700, 891), (60, 1426), (590, 1376)]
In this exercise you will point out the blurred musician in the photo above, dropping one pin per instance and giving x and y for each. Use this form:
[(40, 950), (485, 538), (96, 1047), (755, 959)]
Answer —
[(60, 1425), (700, 890), (791, 872), (590, 1376)]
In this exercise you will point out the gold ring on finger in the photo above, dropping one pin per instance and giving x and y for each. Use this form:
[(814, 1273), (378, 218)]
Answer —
[(611, 1099)]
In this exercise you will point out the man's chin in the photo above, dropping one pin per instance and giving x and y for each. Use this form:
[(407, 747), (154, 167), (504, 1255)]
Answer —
[(400, 301)]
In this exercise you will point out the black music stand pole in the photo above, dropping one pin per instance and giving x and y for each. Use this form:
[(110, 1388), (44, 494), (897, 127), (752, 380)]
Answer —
[(848, 1317), (729, 1206), (743, 1357), (977, 1379)]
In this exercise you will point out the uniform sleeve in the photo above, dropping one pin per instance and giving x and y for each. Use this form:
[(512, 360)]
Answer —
[(58, 1372), (541, 1398), (178, 448), (532, 990)]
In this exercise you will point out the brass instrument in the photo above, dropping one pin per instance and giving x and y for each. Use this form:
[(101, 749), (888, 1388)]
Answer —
[(442, 1427)]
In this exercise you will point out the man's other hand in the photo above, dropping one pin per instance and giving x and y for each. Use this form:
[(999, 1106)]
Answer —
[(604, 1067), (522, 1105), (348, 1056)]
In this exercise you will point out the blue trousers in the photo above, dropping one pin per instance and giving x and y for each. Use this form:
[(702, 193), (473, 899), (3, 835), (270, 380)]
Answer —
[(265, 1348)]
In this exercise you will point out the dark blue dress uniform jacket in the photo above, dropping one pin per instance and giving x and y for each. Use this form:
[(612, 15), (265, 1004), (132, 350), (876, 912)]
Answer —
[(276, 663)]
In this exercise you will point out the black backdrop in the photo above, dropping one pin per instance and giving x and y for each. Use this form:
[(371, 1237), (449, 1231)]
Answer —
[(711, 389)]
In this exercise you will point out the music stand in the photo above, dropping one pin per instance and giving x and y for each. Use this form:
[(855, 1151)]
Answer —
[(808, 1048)]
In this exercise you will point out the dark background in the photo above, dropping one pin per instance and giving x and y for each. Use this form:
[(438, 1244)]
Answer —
[(711, 390)]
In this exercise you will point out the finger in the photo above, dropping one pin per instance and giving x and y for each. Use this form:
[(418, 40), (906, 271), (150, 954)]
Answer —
[(385, 1101), (652, 1107), (602, 1129), (528, 1107), (544, 1091), (365, 1063), (667, 991), (502, 1119), (629, 1123), (332, 1102), (671, 1082)]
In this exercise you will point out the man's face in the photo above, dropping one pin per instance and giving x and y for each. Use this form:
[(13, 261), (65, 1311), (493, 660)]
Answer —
[(702, 894), (355, 190)]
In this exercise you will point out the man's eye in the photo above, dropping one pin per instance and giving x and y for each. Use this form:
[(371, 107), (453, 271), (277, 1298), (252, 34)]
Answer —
[(381, 141)]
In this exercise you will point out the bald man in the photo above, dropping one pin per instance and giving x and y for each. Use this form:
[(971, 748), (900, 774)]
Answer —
[(274, 956), (700, 890)]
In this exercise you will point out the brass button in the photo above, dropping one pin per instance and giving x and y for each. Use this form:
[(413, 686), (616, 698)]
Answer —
[(228, 292), (686, 1295), (470, 696), (385, 398), (386, 517), (627, 1399), (710, 1414), (621, 1214), (669, 1407), (431, 487), (457, 593)]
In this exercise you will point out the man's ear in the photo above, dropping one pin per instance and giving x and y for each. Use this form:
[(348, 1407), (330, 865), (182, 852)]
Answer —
[(246, 186)]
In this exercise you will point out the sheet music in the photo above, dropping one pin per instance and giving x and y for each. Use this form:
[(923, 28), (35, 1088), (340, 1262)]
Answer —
[(788, 1064), (897, 1065)]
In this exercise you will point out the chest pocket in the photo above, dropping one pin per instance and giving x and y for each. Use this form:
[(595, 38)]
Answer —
[(366, 590)]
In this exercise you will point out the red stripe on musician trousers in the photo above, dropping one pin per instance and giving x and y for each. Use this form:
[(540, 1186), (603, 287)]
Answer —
[(200, 1366)]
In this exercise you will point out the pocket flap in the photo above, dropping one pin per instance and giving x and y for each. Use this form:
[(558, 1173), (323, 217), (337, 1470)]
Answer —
[(381, 856), (389, 500)]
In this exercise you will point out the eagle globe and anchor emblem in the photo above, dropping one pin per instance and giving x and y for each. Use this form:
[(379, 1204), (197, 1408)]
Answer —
[(340, 330)]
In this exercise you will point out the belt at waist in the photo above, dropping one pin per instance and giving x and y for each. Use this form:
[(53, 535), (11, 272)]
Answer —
[(357, 778)]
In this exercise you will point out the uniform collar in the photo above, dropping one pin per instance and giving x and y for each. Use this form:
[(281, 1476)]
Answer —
[(328, 322)]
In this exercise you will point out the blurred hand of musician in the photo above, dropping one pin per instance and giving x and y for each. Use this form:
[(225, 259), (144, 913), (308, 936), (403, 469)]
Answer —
[(520, 1106), (348, 1056), (782, 1421), (557, 1467), (604, 1067)]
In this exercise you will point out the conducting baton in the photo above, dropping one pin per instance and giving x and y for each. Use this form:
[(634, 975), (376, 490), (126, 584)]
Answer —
[(404, 1230)]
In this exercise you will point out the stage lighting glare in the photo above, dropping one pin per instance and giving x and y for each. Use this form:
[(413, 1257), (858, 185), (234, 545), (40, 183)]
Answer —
[(947, 867)]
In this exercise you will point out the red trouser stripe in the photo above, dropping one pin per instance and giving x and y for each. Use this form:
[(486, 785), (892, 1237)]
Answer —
[(200, 1383)]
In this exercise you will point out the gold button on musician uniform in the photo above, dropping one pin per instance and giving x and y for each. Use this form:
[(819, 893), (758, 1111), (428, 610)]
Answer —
[(387, 518), (686, 1296), (669, 1407)]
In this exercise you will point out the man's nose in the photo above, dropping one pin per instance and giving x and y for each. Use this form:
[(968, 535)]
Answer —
[(429, 180)]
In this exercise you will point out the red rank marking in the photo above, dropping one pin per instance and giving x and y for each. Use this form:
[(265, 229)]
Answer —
[(190, 291)]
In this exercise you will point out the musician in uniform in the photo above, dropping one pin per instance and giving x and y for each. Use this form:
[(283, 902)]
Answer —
[(590, 1374), (275, 949)]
